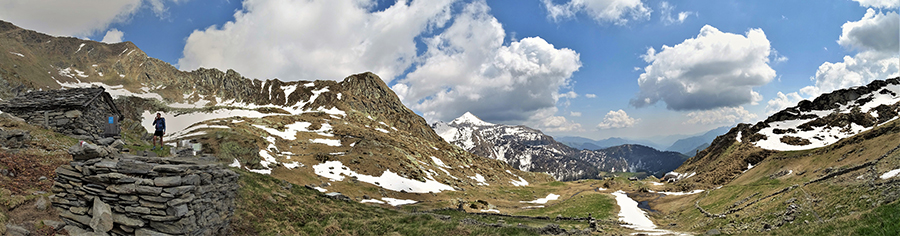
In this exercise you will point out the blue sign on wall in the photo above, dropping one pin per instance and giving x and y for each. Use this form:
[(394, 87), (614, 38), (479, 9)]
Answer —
[(110, 119)]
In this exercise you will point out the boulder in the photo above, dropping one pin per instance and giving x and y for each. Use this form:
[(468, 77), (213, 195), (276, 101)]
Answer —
[(118, 144), (102, 220), (15, 230), (41, 203), (56, 225), (14, 139), (106, 141), (87, 151)]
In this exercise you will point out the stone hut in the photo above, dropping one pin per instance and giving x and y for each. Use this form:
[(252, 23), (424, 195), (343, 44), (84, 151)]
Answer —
[(82, 113)]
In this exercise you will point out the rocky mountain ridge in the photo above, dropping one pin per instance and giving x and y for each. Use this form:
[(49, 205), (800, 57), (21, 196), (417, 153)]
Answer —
[(320, 133), (530, 150), (821, 124)]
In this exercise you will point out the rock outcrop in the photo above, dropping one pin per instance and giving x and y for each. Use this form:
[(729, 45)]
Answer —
[(108, 193)]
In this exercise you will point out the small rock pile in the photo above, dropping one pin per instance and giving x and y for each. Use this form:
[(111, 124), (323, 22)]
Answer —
[(104, 192)]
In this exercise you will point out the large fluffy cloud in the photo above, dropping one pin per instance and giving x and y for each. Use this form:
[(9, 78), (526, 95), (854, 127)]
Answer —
[(318, 39), (78, 18), (467, 67), (617, 119), (876, 37), (874, 32), (724, 115), (713, 70), (616, 11)]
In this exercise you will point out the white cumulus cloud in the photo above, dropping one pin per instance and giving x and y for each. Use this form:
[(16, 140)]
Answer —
[(77, 18), (467, 67), (666, 10), (874, 32), (590, 95), (879, 3), (876, 37), (618, 12), (113, 36), (723, 115), (575, 114), (617, 119), (782, 101), (713, 70), (316, 39)]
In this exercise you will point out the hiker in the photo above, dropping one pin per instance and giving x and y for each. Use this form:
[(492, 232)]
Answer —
[(160, 124)]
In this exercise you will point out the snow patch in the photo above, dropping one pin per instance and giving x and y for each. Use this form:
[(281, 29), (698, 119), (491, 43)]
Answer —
[(480, 179), (236, 163), (17, 54), (491, 210), (329, 142), (372, 201), (79, 48), (336, 171), (320, 189), (890, 174), (438, 162), (680, 193), (550, 197), (397, 202)]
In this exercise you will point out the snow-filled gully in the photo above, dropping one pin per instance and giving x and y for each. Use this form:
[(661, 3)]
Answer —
[(635, 218)]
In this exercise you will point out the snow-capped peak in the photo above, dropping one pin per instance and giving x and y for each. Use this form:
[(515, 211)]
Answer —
[(468, 118)]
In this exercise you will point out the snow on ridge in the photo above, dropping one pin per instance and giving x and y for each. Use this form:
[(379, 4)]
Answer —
[(17, 54), (824, 136), (336, 171), (469, 118)]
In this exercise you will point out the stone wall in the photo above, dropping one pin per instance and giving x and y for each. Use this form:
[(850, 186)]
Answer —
[(107, 193)]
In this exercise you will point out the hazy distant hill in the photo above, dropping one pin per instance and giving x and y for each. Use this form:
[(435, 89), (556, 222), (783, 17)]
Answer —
[(690, 146)]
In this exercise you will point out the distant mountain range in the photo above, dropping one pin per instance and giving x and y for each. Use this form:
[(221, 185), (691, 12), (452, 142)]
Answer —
[(530, 150), (686, 145)]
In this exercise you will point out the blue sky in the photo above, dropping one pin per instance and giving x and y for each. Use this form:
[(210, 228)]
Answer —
[(569, 68)]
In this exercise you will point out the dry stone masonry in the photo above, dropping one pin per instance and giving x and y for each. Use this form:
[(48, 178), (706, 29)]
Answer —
[(82, 113), (103, 192)]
